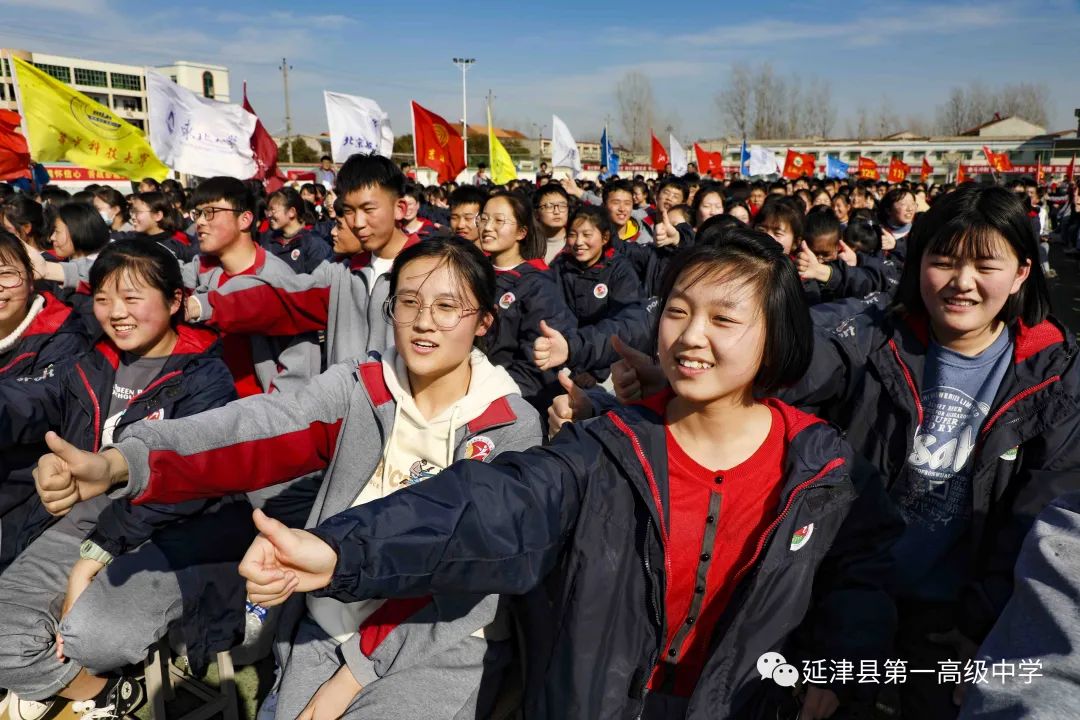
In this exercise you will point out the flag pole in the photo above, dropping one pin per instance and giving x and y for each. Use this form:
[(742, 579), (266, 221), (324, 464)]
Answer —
[(412, 114), (19, 101)]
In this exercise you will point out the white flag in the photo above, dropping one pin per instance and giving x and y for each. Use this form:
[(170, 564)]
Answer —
[(763, 161), (357, 125), (564, 151), (198, 136), (677, 155)]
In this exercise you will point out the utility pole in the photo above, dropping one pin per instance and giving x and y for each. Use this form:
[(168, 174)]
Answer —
[(490, 97), (285, 67), (464, 64)]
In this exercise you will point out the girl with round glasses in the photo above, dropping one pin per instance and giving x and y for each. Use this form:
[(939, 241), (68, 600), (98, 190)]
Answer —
[(375, 426)]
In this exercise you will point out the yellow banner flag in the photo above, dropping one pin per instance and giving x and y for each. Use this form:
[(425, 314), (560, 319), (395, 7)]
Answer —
[(502, 167), (64, 124)]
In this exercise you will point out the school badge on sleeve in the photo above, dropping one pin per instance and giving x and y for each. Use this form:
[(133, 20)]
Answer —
[(507, 300), (479, 448), (295, 254), (600, 291)]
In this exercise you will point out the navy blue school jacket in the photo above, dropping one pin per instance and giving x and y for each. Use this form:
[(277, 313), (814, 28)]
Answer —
[(525, 296), (866, 376), (74, 402), (588, 515), (52, 340), (303, 252), (606, 299)]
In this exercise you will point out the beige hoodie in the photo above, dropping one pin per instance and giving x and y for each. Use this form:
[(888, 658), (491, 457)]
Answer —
[(416, 449)]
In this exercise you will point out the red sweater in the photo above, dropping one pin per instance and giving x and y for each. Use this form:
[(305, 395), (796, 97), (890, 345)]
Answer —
[(716, 518)]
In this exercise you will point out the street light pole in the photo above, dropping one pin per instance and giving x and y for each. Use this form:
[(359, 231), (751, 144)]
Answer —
[(464, 64), (285, 67)]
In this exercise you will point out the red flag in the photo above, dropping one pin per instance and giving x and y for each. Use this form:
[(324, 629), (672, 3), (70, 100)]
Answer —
[(1070, 169), (659, 155), (898, 170), (266, 152), (1038, 171), (998, 161), (711, 163), (438, 145), (961, 175), (14, 153), (798, 164), (868, 169), (926, 171)]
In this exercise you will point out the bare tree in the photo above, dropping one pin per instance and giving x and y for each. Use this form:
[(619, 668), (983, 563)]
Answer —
[(770, 118), (1027, 100), (819, 115), (735, 101), (634, 97)]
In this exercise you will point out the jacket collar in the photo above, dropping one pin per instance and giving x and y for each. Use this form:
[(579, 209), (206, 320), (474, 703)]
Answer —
[(192, 341), (209, 262), (1027, 341)]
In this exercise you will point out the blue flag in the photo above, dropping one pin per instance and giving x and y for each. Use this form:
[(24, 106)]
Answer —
[(608, 156), (834, 168), (744, 158)]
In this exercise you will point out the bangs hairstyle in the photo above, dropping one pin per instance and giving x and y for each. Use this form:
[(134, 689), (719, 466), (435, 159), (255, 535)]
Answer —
[(533, 245), (470, 268), (596, 215), (968, 223), (149, 263), (156, 202), (366, 171), (754, 258)]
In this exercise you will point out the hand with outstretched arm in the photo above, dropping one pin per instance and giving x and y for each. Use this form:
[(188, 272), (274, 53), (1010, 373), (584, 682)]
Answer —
[(68, 475), (282, 561)]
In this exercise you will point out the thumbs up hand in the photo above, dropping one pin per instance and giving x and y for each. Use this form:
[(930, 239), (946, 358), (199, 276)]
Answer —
[(666, 234), (550, 350), (848, 255), (282, 561), (68, 475), (634, 375), (810, 268), (574, 405)]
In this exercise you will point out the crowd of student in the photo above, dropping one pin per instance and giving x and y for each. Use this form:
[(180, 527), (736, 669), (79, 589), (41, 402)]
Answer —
[(568, 449)]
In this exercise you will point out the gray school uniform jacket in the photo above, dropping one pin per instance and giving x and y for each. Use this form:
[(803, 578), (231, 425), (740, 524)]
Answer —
[(344, 299), (340, 423)]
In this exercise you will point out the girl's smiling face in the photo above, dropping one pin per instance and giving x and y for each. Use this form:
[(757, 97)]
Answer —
[(711, 337), (136, 316), (585, 242), (964, 296)]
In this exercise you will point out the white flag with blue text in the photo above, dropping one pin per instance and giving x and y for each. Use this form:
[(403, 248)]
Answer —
[(357, 125), (196, 135)]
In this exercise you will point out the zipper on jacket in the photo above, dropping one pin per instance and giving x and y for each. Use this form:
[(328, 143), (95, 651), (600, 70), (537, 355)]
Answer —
[(829, 467), (910, 380), (97, 408), (655, 606), (1005, 406)]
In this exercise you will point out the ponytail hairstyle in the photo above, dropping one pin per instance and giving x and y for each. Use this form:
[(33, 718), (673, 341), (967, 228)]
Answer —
[(863, 232), (290, 198), (533, 245), (159, 202), (112, 197), (27, 217)]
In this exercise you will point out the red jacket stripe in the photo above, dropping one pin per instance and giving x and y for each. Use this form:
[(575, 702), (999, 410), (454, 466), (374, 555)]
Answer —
[(385, 620)]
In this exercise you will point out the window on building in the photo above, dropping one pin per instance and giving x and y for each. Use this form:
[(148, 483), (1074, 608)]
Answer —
[(127, 102), (7, 68), (208, 84), (93, 78), (137, 123), (121, 81), (61, 73)]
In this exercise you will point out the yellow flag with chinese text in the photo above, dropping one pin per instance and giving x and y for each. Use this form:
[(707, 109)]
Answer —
[(64, 124), (502, 167)]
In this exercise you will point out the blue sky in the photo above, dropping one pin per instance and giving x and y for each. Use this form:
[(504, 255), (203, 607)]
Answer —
[(565, 57)]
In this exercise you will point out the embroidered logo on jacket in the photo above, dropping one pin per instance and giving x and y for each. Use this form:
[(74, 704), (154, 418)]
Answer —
[(507, 300), (479, 448), (801, 536), (600, 291), (158, 414), (295, 254)]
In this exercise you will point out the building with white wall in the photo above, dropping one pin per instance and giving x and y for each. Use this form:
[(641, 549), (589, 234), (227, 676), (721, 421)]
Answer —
[(118, 86)]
